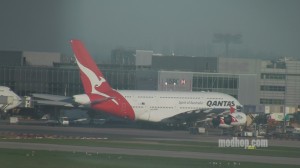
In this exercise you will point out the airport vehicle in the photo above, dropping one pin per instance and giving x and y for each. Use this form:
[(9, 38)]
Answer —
[(8, 100), (152, 106), (63, 121)]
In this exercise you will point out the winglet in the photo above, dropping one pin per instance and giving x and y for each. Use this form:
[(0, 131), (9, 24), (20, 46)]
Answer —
[(91, 77)]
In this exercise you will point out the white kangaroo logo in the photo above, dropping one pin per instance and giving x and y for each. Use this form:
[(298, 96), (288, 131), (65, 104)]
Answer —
[(94, 80)]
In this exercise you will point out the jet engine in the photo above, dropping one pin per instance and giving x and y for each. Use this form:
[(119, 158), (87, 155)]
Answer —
[(216, 121), (228, 119)]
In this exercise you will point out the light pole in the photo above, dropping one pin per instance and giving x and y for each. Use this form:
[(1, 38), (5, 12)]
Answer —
[(284, 105), (227, 39)]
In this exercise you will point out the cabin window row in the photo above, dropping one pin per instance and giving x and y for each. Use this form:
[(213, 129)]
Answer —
[(161, 107), (181, 97)]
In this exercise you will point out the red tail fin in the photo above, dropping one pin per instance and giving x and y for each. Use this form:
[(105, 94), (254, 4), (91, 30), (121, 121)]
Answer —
[(91, 77)]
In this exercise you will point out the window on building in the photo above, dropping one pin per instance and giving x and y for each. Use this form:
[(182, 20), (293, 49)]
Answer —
[(273, 76), (272, 101), (206, 83), (272, 88)]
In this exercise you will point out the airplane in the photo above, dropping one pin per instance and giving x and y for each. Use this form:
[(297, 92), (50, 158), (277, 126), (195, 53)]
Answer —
[(8, 100), (138, 105)]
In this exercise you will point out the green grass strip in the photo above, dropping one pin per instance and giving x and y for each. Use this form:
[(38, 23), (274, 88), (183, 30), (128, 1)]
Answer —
[(49, 159)]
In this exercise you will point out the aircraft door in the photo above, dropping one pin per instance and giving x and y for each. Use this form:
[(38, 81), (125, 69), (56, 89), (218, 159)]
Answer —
[(144, 112)]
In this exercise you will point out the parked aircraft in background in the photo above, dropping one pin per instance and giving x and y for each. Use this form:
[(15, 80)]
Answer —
[(8, 100), (152, 106)]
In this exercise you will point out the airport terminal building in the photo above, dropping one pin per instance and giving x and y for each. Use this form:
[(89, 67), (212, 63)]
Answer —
[(263, 86)]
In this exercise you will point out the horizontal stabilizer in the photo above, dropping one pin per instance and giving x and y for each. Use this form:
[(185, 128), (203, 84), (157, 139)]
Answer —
[(98, 101), (53, 103), (50, 97)]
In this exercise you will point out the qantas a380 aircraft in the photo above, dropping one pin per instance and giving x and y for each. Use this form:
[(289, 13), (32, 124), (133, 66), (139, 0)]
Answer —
[(153, 106)]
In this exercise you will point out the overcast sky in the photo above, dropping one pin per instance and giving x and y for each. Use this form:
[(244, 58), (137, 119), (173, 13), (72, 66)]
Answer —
[(185, 27)]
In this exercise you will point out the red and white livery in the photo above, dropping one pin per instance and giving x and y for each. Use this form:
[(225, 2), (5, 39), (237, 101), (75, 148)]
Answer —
[(153, 106)]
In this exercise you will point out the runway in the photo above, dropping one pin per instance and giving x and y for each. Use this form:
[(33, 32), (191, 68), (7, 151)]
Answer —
[(75, 132), (134, 133), (159, 153)]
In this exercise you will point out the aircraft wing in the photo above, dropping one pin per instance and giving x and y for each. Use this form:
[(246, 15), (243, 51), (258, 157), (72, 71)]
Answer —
[(205, 120), (195, 115)]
